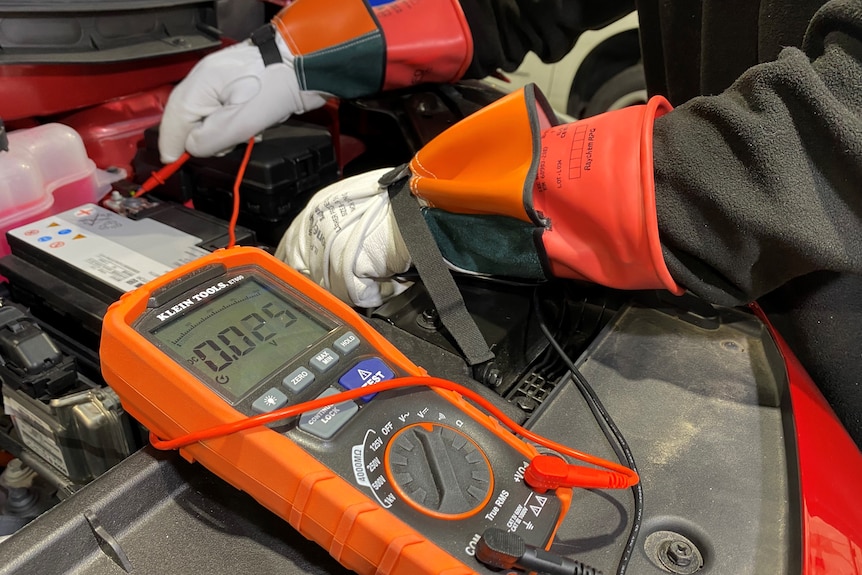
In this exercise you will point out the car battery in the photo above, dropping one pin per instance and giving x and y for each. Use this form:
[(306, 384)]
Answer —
[(68, 268), (74, 425), (290, 163)]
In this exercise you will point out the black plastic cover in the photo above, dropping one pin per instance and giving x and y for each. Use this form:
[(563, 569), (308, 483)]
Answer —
[(287, 166), (706, 412), (29, 360), (65, 31)]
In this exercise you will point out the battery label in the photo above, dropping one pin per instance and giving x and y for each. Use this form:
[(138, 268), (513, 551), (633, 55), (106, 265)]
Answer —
[(121, 252), (35, 434)]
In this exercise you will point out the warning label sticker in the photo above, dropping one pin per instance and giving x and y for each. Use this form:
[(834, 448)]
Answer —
[(119, 251)]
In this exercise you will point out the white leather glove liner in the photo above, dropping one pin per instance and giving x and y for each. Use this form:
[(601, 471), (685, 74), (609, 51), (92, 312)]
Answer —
[(346, 240), (227, 98)]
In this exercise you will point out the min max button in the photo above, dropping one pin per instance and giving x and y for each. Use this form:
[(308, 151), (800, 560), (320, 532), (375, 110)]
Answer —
[(324, 360), (364, 373)]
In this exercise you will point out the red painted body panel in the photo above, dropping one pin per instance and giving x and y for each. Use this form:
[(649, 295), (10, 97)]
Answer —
[(28, 90), (830, 469)]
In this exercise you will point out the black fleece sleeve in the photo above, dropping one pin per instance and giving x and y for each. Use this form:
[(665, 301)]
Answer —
[(505, 30), (763, 183)]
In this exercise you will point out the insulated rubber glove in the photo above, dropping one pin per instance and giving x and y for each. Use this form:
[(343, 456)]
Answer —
[(314, 48), (506, 191), (347, 241), (584, 191)]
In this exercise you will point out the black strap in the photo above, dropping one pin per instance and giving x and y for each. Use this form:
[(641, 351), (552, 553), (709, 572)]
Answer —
[(264, 39), (436, 277)]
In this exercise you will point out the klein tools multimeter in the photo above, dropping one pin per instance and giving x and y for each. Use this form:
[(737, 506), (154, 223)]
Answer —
[(403, 481)]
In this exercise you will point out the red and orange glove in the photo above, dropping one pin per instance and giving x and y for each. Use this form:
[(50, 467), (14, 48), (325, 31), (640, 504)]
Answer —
[(314, 49), (583, 191), (506, 192)]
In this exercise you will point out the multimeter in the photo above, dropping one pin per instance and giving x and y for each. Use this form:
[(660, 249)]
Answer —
[(402, 481)]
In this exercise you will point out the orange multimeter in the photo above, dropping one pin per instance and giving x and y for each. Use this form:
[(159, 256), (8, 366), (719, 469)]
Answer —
[(403, 481)]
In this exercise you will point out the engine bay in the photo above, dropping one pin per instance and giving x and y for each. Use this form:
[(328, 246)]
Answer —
[(700, 393)]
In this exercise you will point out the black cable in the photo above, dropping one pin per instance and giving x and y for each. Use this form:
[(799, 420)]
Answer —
[(609, 428), (412, 275), (501, 549)]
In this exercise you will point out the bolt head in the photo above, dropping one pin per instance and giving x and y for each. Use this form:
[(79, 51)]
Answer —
[(428, 319), (680, 553)]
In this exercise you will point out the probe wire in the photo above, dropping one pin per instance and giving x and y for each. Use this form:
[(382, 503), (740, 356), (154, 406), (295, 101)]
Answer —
[(626, 476), (158, 178), (609, 428), (231, 230)]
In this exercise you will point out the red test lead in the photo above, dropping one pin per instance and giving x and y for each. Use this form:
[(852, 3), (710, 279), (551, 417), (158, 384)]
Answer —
[(551, 472), (158, 177)]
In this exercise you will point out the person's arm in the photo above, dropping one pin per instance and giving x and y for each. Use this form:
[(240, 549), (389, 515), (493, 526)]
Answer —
[(504, 31), (761, 184), (347, 49), (312, 49)]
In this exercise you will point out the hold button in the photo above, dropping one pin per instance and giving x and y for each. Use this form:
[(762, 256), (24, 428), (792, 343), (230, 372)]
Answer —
[(347, 342)]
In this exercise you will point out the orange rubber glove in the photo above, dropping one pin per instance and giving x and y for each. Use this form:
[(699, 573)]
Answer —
[(585, 191)]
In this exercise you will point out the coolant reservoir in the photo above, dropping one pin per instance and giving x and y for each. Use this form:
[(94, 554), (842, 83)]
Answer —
[(45, 171)]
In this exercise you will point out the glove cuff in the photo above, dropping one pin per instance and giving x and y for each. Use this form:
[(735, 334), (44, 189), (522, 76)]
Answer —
[(486, 163), (426, 41), (595, 191), (346, 48)]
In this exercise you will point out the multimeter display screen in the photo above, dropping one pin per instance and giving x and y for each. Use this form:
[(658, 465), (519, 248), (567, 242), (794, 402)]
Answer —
[(237, 339)]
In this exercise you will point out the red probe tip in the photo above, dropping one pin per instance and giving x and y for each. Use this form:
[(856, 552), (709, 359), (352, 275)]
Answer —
[(158, 177)]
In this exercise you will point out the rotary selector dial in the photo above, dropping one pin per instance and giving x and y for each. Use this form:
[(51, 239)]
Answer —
[(439, 470)]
